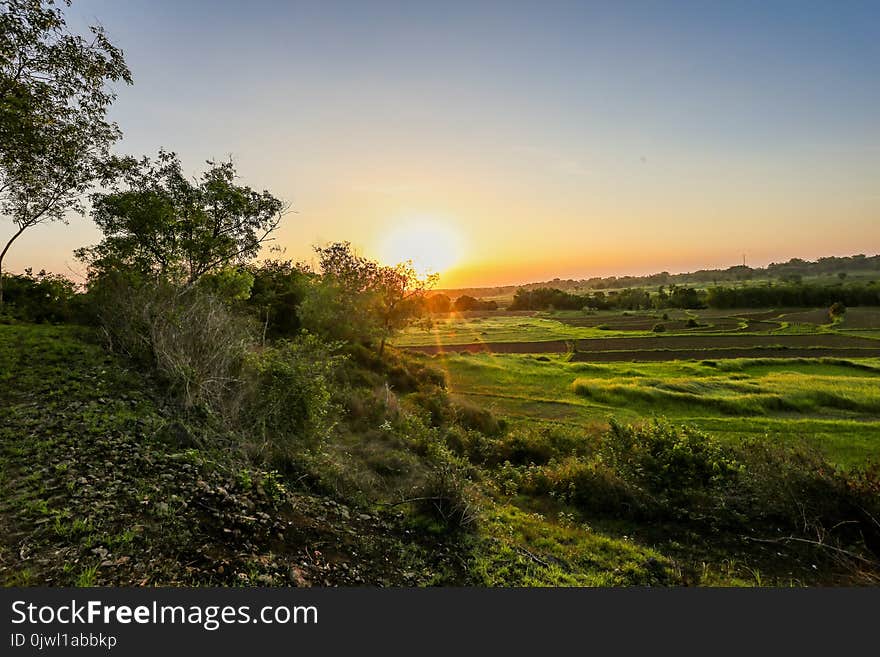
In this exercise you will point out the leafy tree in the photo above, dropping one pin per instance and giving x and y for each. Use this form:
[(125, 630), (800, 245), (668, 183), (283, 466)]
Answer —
[(465, 302), (543, 298), (438, 303), (41, 297), (337, 303), (279, 288), (54, 95), (232, 285), (159, 223), (359, 300), (399, 292)]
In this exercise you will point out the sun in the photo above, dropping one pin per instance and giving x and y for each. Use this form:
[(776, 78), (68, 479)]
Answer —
[(434, 246)]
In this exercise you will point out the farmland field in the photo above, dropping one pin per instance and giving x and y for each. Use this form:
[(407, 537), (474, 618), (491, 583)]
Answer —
[(834, 404), (785, 375)]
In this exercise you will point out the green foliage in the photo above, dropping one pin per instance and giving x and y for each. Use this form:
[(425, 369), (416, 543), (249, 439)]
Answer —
[(159, 223), (357, 300), (448, 496), (543, 298), (288, 406), (54, 95), (230, 285), (476, 418), (465, 303), (802, 295), (40, 297), (279, 288), (666, 461)]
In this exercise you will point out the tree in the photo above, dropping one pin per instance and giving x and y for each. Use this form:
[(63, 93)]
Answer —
[(359, 300), (159, 223), (54, 95), (399, 294), (278, 290), (337, 303), (465, 303), (438, 303)]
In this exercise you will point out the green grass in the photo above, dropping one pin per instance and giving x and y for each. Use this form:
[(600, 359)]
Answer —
[(502, 329), (549, 326), (107, 481), (831, 403), (520, 547)]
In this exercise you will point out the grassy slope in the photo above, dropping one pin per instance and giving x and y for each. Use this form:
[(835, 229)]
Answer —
[(837, 407), (102, 486)]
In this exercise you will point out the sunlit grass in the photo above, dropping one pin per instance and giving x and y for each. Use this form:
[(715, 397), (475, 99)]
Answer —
[(453, 331), (831, 403)]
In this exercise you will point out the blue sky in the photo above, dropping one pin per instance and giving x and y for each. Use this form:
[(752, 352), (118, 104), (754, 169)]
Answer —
[(554, 139)]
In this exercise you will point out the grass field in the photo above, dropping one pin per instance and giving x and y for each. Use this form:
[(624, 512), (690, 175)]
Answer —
[(463, 330), (787, 374), (456, 329), (87, 453), (833, 404)]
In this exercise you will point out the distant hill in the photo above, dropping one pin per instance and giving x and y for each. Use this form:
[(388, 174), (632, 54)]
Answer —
[(792, 270)]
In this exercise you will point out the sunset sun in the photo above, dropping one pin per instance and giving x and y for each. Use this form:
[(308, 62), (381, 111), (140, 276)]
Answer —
[(432, 245)]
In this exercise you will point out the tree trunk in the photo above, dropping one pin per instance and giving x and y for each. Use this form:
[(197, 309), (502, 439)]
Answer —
[(3, 255)]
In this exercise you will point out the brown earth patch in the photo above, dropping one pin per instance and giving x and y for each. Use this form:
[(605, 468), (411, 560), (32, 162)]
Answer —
[(669, 343), (862, 318), (718, 354)]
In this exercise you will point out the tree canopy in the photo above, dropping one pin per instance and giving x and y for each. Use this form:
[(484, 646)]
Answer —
[(55, 90), (360, 300), (158, 222)]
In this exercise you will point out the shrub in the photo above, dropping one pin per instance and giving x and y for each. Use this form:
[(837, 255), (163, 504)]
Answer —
[(41, 297), (192, 339), (436, 403), (590, 485), (669, 462), (471, 416), (288, 400), (448, 497), (659, 328)]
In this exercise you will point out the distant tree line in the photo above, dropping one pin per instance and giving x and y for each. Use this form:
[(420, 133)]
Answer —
[(628, 299), (677, 296), (793, 271), (442, 303), (768, 296)]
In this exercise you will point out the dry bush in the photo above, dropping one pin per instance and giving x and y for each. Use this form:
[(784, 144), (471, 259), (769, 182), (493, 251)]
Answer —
[(189, 336)]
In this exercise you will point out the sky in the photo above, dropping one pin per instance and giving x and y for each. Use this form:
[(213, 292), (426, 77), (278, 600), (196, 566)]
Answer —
[(508, 142)]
